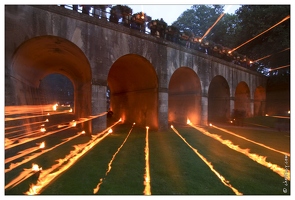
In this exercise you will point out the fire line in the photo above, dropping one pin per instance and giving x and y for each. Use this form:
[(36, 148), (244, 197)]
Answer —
[(95, 190), (223, 180), (47, 177), (147, 178), (255, 157), (224, 130)]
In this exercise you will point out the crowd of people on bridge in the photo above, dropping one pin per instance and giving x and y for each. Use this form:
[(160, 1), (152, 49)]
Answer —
[(122, 14)]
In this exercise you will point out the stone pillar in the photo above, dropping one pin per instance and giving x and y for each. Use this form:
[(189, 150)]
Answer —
[(231, 105), (98, 105), (163, 109), (204, 112), (251, 114)]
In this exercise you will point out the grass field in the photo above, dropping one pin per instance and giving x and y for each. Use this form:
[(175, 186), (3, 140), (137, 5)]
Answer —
[(175, 168)]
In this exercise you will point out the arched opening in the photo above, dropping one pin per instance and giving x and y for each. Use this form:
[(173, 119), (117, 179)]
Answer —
[(184, 100), (218, 100), (242, 99), (57, 88), (44, 55), (259, 101), (133, 85)]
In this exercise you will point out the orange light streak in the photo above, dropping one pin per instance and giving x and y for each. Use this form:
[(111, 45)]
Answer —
[(147, 177), (255, 157), (223, 180), (260, 144), (64, 164), (279, 68), (261, 33), (270, 55), (22, 141), (13, 127), (24, 175), (30, 150), (96, 189), (212, 26)]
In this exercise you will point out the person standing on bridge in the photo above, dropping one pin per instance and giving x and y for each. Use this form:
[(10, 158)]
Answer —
[(86, 9)]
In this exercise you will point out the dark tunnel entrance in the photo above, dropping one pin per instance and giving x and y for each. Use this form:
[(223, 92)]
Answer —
[(184, 101), (133, 85)]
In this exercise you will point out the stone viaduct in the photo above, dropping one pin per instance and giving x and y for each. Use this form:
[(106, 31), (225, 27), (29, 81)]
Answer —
[(153, 82)]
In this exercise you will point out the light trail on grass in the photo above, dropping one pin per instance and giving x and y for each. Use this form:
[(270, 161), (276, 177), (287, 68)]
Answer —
[(30, 150), (223, 180), (47, 176), (255, 157), (147, 177), (96, 189), (257, 143), (25, 140)]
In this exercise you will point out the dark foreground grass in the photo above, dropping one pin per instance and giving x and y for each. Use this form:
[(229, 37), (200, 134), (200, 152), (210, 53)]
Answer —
[(174, 167)]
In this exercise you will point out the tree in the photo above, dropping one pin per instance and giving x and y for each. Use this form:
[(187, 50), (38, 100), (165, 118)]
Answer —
[(254, 20)]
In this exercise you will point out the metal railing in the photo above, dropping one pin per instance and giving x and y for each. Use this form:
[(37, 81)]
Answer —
[(103, 12)]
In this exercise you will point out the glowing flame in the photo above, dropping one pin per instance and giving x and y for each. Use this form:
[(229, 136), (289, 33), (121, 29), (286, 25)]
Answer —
[(257, 158), (36, 168), (64, 164), (223, 180), (147, 188), (42, 145), (95, 190), (71, 110), (187, 121), (54, 107), (42, 129), (46, 120), (110, 130), (73, 123)]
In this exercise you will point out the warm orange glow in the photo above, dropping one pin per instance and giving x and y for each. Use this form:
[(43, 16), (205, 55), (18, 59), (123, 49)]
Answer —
[(223, 180), (268, 56), (54, 107), (286, 18), (147, 178), (42, 129), (279, 67), (49, 175), (257, 158), (71, 110), (212, 26), (257, 143), (110, 131), (96, 189), (42, 145), (73, 123), (187, 121), (36, 168)]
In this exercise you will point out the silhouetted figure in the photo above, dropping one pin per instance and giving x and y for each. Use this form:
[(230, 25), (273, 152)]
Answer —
[(75, 8), (110, 114), (86, 9), (100, 11)]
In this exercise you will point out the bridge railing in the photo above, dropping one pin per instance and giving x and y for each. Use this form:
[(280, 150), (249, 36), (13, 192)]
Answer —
[(144, 24)]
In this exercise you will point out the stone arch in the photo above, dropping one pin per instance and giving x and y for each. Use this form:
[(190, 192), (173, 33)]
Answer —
[(259, 101), (40, 56), (218, 100), (133, 84), (184, 97), (242, 98)]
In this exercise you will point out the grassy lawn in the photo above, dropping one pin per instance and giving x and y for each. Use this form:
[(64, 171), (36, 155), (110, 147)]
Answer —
[(174, 167)]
